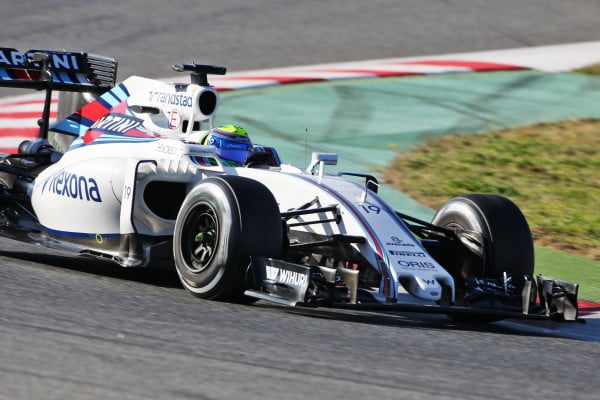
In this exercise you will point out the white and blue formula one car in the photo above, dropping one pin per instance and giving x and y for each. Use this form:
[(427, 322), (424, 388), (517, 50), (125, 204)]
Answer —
[(133, 186)]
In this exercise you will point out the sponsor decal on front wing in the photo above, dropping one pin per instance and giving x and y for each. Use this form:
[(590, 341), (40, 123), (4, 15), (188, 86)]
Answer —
[(286, 277)]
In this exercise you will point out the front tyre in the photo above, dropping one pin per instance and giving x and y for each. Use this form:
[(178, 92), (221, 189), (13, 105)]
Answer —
[(222, 222), (495, 238), (495, 231)]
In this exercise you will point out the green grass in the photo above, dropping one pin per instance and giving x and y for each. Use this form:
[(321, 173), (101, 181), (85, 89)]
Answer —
[(568, 267), (551, 171), (589, 70)]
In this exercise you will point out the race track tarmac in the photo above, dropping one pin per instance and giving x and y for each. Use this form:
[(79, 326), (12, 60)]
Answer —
[(69, 330)]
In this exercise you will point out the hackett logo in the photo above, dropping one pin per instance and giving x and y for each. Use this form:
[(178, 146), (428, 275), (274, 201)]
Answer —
[(64, 183)]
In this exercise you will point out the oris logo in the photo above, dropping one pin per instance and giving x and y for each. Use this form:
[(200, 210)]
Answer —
[(420, 265)]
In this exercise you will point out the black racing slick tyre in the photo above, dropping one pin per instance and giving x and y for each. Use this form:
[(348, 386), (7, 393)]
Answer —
[(222, 222), (496, 232), (495, 239)]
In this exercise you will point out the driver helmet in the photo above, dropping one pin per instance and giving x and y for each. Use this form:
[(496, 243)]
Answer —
[(232, 142)]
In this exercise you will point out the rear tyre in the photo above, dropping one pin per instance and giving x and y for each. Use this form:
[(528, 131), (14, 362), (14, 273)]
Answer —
[(222, 222), (496, 239)]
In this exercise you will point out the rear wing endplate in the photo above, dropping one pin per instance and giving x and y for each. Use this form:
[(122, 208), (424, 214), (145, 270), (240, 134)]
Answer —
[(57, 70)]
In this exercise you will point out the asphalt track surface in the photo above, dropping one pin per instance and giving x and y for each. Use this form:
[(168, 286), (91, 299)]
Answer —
[(86, 330), (147, 36)]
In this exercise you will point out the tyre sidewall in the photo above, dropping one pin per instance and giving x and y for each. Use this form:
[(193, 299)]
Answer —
[(507, 241), (210, 280)]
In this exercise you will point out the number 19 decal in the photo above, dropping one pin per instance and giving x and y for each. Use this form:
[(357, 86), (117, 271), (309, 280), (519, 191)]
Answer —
[(126, 192), (370, 208)]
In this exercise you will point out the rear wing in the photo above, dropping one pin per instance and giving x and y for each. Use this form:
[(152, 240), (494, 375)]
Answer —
[(57, 70)]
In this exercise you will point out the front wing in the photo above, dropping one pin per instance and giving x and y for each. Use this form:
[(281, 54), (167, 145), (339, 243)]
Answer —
[(305, 286)]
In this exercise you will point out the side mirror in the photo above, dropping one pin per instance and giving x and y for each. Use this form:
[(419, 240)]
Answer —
[(321, 159)]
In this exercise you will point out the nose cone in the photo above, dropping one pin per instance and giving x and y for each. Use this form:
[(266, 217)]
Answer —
[(426, 289)]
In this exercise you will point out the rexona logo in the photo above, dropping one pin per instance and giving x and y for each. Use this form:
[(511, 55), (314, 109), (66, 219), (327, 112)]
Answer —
[(285, 276), (170, 99), (64, 183)]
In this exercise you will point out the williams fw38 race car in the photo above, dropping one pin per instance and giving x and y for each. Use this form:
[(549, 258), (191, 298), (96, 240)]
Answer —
[(130, 178)]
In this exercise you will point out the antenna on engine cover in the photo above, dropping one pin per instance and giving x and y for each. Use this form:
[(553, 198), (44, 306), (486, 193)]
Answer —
[(199, 72), (305, 143)]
